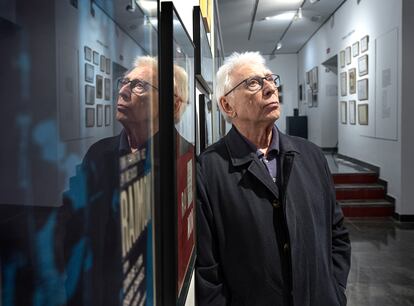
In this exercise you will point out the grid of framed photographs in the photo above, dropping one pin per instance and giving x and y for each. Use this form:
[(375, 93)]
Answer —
[(97, 73), (351, 85)]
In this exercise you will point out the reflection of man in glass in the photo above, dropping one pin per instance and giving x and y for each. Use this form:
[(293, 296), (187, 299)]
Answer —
[(110, 201)]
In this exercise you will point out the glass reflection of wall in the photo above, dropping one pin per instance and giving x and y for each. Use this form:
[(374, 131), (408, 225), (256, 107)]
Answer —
[(60, 222)]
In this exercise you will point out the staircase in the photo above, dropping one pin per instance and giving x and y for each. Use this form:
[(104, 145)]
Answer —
[(362, 195)]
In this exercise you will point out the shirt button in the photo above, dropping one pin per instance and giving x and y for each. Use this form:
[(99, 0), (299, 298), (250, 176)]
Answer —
[(286, 247), (276, 203)]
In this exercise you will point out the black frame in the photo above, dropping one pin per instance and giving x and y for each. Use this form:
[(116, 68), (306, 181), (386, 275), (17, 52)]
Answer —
[(166, 259), (198, 32), (203, 121)]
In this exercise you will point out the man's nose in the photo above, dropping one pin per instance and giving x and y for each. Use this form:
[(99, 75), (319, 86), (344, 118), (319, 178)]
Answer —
[(125, 92), (269, 88)]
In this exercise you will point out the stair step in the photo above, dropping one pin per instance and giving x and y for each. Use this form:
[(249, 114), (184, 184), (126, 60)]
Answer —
[(359, 191), (366, 203), (368, 208), (355, 178)]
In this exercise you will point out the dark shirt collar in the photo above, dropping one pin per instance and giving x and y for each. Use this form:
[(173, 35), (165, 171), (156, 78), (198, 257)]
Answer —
[(124, 147), (273, 147)]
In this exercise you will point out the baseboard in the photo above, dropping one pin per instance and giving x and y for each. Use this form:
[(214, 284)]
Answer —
[(330, 150), (376, 169), (403, 218)]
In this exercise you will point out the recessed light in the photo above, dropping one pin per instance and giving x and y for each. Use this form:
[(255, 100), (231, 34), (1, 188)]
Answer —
[(282, 17)]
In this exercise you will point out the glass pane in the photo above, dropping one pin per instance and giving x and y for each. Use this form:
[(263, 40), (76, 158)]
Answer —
[(78, 157)]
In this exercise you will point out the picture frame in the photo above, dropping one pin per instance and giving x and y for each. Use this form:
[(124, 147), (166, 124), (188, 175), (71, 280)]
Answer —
[(175, 263), (89, 117), (309, 97), (108, 66), (352, 80), (108, 115), (102, 63), (203, 55), (95, 57), (89, 95), (348, 57), (364, 43), (99, 86), (343, 77), (87, 53), (343, 108), (107, 89), (355, 49), (363, 89), (89, 73), (307, 77), (342, 58), (352, 112), (363, 114), (363, 65), (315, 79), (300, 91), (99, 115)]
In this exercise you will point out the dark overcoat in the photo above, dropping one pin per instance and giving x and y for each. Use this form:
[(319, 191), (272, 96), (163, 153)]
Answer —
[(266, 243)]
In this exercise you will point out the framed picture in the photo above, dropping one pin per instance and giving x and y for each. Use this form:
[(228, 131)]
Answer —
[(102, 64), (314, 79), (108, 66), (89, 94), (363, 65), (89, 73), (355, 49), (309, 97), (314, 99), (343, 83), (343, 112), (99, 86), (107, 115), (87, 53), (348, 57), (363, 114), (352, 80), (177, 134), (95, 58), (364, 43), (89, 117), (307, 77), (203, 55), (352, 111), (300, 92), (363, 89), (107, 89), (342, 58), (99, 115)]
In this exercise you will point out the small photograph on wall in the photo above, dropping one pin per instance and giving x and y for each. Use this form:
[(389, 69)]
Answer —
[(363, 65), (95, 58), (89, 94), (89, 73), (99, 86), (342, 58), (107, 115), (108, 66), (99, 115), (107, 89), (364, 43), (348, 57), (343, 84), (309, 98), (307, 77), (314, 99), (352, 111), (314, 83), (102, 64), (300, 92), (355, 49), (343, 112), (363, 114), (89, 117), (352, 80), (363, 89), (88, 53)]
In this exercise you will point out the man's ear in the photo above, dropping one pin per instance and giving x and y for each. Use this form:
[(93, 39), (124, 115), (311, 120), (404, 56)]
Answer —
[(227, 108), (177, 105)]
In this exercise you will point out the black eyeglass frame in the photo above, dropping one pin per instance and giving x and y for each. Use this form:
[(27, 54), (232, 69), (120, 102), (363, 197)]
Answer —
[(133, 83), (276, 81)]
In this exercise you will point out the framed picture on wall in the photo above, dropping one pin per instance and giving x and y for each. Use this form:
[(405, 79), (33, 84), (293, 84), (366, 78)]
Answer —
[(89, 117), (355, 49), (87, 53), (352, 111), (342, 58), (99, 115), (352, 80), (315, 79), (309, 97), (177, 134), (363, 89), (108, 115), (102, 64), (108, 66), (99, 86), (89, 73), (343, 109), (89, 94), (363, 114), (348, 58), (107, 88), (95, 58), (363, 65), (343, 83), (364, 43), (307, 77)]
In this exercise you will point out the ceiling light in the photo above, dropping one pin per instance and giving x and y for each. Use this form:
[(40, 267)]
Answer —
[(313, 1), (279, 46), (282, 17), (300, 13)]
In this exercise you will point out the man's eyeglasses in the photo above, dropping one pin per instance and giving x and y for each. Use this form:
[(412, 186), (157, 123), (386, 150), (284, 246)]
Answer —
[(136, 86), (256, 83)]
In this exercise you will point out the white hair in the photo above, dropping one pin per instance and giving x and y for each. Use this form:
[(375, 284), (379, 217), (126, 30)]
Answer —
[(146, 60), (224, 74)]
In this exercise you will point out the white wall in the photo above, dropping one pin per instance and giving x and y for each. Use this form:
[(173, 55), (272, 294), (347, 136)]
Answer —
[(286, 65), (348, 25)]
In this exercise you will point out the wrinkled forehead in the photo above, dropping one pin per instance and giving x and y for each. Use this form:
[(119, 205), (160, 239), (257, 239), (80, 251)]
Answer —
[(244, 71), (144, 72)]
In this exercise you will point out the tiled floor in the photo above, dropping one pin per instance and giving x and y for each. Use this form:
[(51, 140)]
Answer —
[(382, 264), (339, 165)]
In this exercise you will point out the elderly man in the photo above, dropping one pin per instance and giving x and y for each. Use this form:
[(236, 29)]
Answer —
[(269, 229)]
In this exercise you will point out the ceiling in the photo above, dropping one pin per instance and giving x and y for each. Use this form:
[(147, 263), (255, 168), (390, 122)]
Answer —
[(236, 19)]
